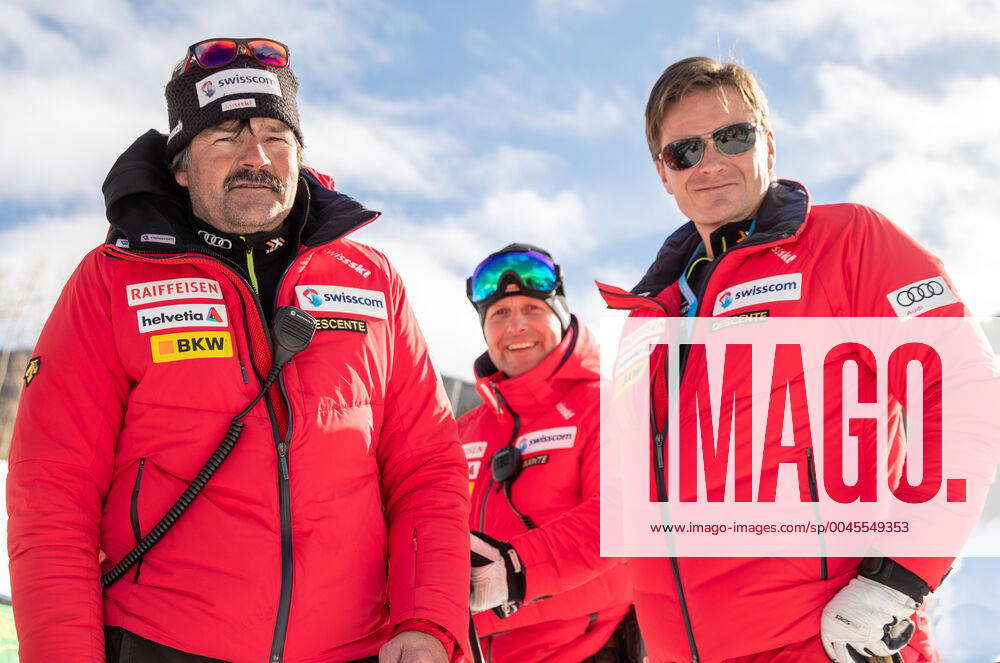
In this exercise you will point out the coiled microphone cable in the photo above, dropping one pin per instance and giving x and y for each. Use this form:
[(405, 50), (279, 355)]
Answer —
[(292, 331)]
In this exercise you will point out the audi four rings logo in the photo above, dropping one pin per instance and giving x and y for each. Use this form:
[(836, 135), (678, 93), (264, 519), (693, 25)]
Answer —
[(215, 240), (919, 292)]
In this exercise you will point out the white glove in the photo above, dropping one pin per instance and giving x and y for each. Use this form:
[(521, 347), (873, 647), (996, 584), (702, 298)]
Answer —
[(864, 619), (497, 575)]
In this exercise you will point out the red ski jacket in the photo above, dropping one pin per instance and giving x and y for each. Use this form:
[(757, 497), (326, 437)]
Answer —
[(828, 261), (574, 598), (338, 518)]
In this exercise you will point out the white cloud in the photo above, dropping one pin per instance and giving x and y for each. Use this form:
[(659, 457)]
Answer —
[(434, 257), (951, 210), (964, 614), (80, 99), (61, 133), (558, 222), (436, 289), (380, 155), (861, 119), (925, 161), (855, 29), (332, 39), (36, 259), (591, 112), (618, 274), (525, 102), (480, 43), (510, 166), (87, 78), (576, 109), (387, 156)]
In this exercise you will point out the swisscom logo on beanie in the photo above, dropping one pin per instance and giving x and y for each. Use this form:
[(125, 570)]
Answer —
[(200, 98), (236, 81)]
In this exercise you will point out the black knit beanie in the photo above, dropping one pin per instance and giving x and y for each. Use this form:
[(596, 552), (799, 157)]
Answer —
[(200, 98)]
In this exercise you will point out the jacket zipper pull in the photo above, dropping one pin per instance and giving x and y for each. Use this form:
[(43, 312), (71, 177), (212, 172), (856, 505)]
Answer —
[(811, 474), (283, 459), (250, 267), (658, 440), (496, 397)]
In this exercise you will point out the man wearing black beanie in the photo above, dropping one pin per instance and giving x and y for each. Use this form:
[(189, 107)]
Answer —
[(336, 527)]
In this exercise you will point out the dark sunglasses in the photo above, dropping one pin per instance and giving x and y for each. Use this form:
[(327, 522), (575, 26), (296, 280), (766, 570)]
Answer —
[(215, 53), (730, 140)]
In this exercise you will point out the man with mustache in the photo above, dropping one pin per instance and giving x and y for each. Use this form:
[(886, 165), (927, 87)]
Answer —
[(336, 528)]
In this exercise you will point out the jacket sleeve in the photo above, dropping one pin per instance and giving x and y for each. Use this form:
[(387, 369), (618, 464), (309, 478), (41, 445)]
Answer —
[(61, 462), (889, 261), (565, 552), (423, 483)]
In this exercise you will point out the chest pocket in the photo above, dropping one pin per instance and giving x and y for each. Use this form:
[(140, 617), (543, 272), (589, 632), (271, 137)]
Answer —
[(180, 339), (550, 468)]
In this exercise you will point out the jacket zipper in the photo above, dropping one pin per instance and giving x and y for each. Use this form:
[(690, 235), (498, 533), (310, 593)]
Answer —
[(811, 465), (683, 354), (285, 514), (659, 439), (416, 554), (513, 436), (285, 503), (489, 486), (285, 508), (674, 564), (814, 496), (284, 496), (250, 268), (134, 514), (658, 435)]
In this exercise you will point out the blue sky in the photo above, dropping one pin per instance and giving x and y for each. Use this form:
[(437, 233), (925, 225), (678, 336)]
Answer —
[(475, 124)]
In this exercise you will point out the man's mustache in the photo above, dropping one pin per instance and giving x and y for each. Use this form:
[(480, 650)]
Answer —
[(254, 177)]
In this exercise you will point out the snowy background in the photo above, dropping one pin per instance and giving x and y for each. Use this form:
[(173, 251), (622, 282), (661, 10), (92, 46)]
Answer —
[(475, 124)]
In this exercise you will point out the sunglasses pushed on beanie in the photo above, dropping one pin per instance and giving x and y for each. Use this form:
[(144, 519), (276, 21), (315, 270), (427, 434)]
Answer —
[(225, 79), (528, 267)]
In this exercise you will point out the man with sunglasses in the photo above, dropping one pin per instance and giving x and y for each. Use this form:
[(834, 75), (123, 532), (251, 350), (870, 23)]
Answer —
[(756, 247), (540, 590), (335, 530)]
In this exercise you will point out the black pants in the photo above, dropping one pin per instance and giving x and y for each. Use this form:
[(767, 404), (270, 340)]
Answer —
[(121, 646)]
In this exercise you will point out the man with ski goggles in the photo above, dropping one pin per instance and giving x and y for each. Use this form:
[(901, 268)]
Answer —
[(330, 522), (540, 590), (710, 138)]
